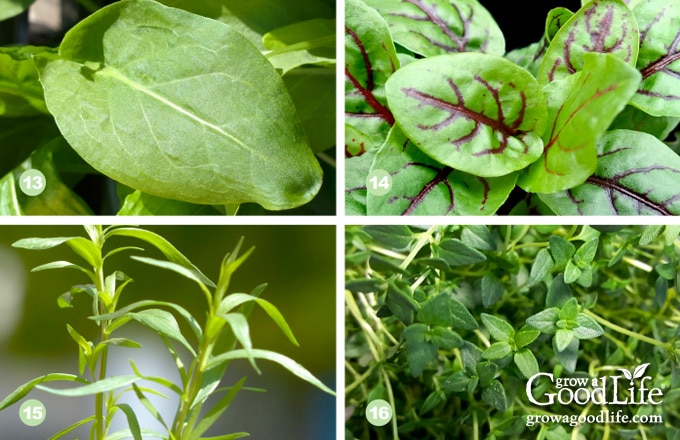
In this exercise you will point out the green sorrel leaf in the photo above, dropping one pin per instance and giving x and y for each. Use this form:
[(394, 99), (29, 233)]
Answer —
[(179, 106), (580, 109), (604, 26), (474, 112), (659, 58), (626, 182), (435, 27)]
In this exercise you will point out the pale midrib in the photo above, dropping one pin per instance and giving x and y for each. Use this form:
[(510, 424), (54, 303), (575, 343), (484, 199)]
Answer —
[(114, 73)]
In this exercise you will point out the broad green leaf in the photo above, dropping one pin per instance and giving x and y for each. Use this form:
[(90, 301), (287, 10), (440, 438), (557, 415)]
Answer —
[(457, 253), (498, 350), (313, 92), (423, 186), (541, 267), (494, 395), (101, 386), (499, 328), (10, 8), (139, 203), (370, 59), (580, 108), (297, 44), (20, 91), (587, 327), (26, 388), (9, 204), (162, 322), (163, 245), (419, 352), (650, 234), (20, 136), (435, 27), (659, 58), (356, 144), (113, 92), (356, 170), (544, 320), (603, 26), (216, 411), (526, 362), (474, 112), (626, 181), (563, 337), (287, 363)]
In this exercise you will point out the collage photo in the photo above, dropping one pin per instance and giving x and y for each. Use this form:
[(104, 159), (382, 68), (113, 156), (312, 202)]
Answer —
[(186, 252)]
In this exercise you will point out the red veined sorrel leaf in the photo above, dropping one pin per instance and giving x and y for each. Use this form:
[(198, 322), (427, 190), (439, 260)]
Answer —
[(605, 26), (436, 27), (474, 112), (370, 58), (631, 166), (659, 58), (421, 186), (580, 109)]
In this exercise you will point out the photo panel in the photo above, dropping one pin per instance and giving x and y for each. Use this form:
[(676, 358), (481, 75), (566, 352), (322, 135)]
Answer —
[(168, 107), (465, 107), (168, 332), (512, 332)]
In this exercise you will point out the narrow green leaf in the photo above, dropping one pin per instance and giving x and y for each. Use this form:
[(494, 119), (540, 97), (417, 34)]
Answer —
[(177, 268), (239, 325), (526, 362), (163, 245), (650, 233), (306, 42), (70, 428), (101, 386), (162, 322), (499, 328), (63, 265), (126, 434), (216, 411), (11, 8), (26, 388), (473, 112), (40, 243), (289, 364), (148, 405), (133, 423), (399, 299), (396, 237), (434, 399)]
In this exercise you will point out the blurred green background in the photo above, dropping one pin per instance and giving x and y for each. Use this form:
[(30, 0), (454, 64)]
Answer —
[(297, 263)]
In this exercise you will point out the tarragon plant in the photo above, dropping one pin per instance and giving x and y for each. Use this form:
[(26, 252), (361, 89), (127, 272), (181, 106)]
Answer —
[(441, 120), (210, 345), (190, 106)]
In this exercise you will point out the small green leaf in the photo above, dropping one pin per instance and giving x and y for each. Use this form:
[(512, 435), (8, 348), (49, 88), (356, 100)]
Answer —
[(304, 42), (499, 328), (396, 237), (437, 310), (561, 250), (543, 264), (478, 237), (492, 290), (525, 337), (486, 371), (498, 350), (559, 292), (563, 338), (569, 355), (216, 411), (569, 309), (494, 395), (400, 301), (587, 327), (650, 233), (457, 253), (419, 352), (462, 318), (434, 399), (26, 388), (445, 338), (456, 382), (526, 362), (571, 273), (586, 253), (544, 320)]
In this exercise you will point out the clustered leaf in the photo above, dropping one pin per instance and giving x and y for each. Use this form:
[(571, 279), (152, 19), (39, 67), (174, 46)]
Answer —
[(432, 100)]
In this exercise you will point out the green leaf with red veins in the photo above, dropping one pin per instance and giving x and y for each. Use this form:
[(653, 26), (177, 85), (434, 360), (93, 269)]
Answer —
[(630, 166), (474, 112), (659, 59), (422, 186), (356, 170), (632, 118), (605, 26), (370, 58), (581, 107), (436, 27)]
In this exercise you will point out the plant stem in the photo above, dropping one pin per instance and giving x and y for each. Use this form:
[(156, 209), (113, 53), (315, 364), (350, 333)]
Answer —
[(99, 397), (624, 331)]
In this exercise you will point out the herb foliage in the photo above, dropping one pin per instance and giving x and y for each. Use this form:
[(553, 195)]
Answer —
[(464, 127), (447, 323)]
